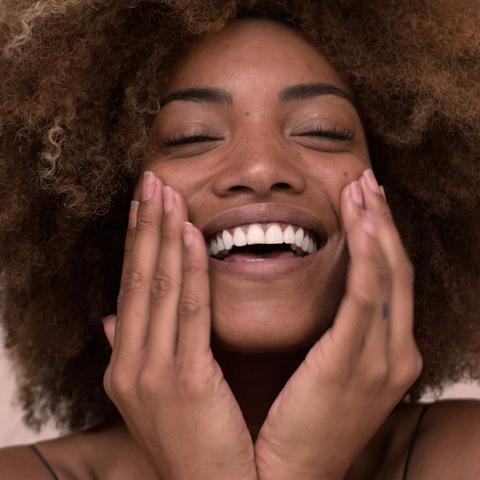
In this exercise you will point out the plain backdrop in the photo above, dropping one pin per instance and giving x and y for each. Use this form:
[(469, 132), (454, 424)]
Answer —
[(12, 430)]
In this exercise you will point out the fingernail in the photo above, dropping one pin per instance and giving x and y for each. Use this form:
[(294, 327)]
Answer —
[(148, 185), (356, 193), (371, 180), (368, 223), (132, 216), (187, 234), (168, 199), (108, 317)]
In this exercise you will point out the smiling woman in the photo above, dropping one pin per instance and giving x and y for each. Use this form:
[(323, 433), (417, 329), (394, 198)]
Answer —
[(199, 175), (280, 168)]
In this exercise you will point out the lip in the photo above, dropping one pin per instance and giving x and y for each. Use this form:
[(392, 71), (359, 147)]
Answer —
[(266, 213), (265, 269)]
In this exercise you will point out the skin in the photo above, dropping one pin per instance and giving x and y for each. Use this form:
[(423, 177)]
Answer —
[(303, 376)]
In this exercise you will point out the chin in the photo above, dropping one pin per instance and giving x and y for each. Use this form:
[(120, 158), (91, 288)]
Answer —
[(282, 330)]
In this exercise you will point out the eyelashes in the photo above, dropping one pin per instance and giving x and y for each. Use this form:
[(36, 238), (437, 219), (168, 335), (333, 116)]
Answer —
[(341, 134), (185, 139)]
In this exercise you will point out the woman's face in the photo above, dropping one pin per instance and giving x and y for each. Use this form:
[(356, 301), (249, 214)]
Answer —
[(258, 128)]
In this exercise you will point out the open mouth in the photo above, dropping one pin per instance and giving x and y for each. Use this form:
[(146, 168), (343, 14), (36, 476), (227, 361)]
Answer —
[(262, 241)]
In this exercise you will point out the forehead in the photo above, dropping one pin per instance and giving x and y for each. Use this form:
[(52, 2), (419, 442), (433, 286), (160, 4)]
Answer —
[(254, 52)]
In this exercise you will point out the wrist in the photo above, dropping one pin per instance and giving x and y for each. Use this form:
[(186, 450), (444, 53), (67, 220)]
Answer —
[(297, 464)]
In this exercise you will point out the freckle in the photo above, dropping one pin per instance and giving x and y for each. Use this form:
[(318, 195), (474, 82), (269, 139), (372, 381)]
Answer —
[(344, 174), (247, 113)]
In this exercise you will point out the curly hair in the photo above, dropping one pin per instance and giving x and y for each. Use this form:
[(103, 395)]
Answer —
[(81, 83)]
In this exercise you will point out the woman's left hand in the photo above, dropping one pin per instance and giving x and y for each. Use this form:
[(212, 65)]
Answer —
[(357, 372)]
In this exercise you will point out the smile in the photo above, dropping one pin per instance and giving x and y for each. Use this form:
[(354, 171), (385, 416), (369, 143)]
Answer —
[(261, 241)]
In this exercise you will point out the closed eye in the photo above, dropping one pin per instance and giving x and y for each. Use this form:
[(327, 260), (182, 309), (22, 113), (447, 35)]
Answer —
[(183, 139), (343, 134)]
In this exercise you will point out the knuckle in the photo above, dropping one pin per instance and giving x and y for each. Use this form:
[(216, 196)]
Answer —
[(407, 370), (134, 280), (117, 384), (188, 306), (365, 301), (384, 212), (161, 285), (417, 364), (127, 250), (144, 221)]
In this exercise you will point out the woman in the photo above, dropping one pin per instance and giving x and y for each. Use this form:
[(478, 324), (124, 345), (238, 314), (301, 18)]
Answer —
[(286, 354)]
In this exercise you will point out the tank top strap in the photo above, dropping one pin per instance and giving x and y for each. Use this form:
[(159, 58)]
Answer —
[(412, 442), (40, 456)]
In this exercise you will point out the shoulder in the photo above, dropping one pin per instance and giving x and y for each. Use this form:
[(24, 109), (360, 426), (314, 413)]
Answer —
[(21, 463), (24, 463), (448, 442), (109, 454)]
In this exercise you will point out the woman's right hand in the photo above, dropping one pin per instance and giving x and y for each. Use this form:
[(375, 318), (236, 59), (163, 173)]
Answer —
[(162, 375)]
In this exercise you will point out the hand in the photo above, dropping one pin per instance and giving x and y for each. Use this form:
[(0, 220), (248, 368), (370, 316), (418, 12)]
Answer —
[(357, 372), (162, 375)]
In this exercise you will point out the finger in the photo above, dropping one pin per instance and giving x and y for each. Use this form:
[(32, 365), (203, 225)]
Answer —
[(401, 308), (134, 298), (130, 237), (194, 320), (361, 303), (167, 279), (351, 204), (109, 324)]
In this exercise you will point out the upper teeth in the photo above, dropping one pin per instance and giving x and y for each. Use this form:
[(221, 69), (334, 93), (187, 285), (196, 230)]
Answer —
[(254, 234)]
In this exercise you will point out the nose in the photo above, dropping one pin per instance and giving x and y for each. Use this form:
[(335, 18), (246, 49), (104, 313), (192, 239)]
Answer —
[(259, 165)]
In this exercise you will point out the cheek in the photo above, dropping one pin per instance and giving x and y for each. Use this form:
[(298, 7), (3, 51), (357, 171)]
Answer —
[(183, 176)]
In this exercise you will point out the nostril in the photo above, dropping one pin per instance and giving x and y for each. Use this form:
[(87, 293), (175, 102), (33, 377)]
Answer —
[(280, 186), (238, 188)]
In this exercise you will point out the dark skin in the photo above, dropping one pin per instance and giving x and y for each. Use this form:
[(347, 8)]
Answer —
[(306, 335)]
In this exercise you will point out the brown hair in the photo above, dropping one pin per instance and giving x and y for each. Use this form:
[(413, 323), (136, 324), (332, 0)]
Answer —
[(81, 83)]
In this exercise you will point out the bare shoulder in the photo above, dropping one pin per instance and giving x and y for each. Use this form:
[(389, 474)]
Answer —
[(448, 442), (23, 462), (109, 454)]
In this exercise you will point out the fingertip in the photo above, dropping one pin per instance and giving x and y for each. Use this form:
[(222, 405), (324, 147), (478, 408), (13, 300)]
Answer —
[(187, 232), (181, 205), (148, 185), (109, 326), (356, 193), (370, 180), (351, 204), (168, 199)]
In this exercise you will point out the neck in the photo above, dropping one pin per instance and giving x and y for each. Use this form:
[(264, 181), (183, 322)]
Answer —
[(256, 379)]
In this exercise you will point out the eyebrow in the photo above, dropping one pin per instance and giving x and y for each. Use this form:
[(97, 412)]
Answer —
[(302, 91), (200, 95), (307, 91)]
